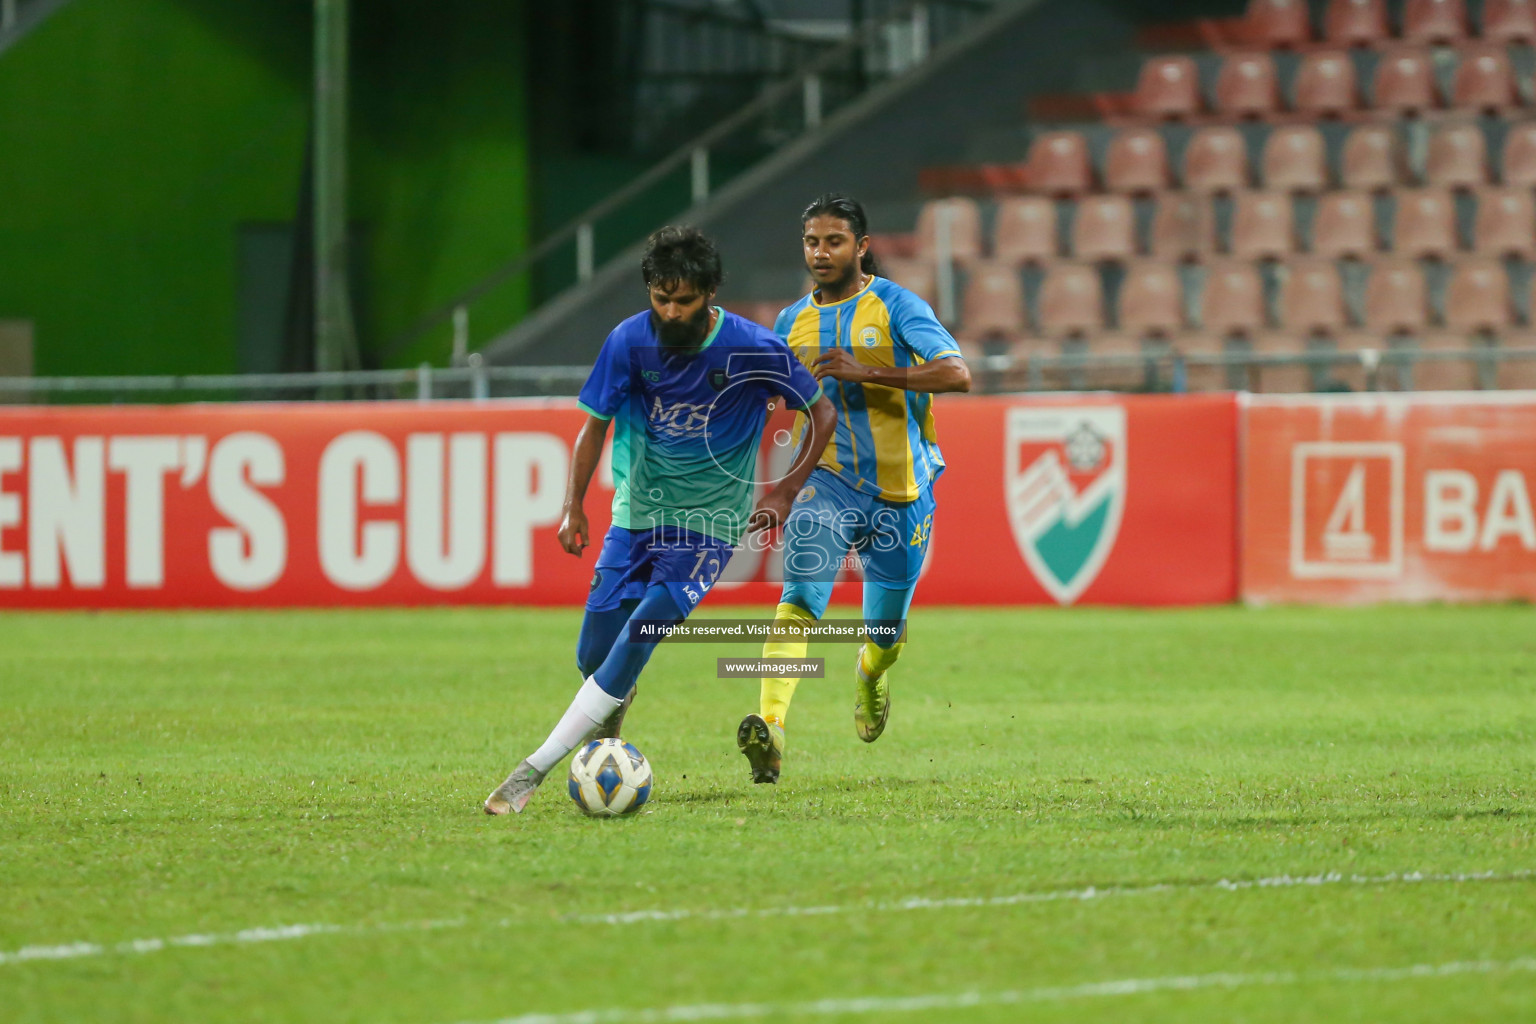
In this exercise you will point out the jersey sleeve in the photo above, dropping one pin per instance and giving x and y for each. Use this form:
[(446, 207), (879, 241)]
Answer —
[(799, 388), (608, 384), (917, 328), (784, 323)]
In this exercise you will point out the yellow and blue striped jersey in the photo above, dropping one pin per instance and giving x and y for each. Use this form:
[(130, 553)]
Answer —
[(885, 442)]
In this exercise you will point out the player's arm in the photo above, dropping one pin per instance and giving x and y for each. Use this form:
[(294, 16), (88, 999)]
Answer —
[(774, 506), (946, 374), (575, 535)]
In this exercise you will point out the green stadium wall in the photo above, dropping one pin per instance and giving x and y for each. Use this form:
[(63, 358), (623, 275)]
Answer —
[(138, 136)]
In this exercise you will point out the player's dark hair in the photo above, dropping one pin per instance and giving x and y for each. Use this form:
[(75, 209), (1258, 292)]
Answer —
[(849, 210), (677, 254)]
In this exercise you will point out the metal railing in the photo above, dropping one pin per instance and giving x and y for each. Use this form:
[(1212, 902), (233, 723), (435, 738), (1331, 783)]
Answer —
[(783, 112), (1166, 371)]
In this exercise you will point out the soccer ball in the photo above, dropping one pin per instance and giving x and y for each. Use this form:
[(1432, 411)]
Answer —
[(608, 778)]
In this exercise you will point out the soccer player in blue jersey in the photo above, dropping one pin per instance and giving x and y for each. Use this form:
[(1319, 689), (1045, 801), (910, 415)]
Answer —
[(881, 355), (687, 387)]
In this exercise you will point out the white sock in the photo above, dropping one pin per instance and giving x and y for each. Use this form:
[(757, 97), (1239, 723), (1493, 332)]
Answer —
[(590, 709)]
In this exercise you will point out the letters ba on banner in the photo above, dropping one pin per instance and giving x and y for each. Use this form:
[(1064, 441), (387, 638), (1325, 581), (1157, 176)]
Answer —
[(281, 505), (1389, 498)]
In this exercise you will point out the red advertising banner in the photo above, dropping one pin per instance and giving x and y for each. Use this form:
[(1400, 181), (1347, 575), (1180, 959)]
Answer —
[(1056, 500), (1355, 499)]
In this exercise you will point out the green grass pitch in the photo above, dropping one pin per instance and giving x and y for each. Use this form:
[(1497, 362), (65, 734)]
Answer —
[(169, 782)]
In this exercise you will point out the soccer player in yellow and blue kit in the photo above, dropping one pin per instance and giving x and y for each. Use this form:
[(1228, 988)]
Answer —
[(880, 355)]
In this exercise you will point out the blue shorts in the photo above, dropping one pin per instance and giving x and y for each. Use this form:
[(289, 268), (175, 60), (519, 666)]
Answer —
[(889, 539), (688, 563)]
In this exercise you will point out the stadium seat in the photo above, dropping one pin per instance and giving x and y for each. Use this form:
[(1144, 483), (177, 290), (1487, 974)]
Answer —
[(1216, 160), (1458, 157), (1372, 159), (1484, 80), (1434, 21), (1326, 85), (1284, 378), (1395, 298), (1025, 231), (1247, 85), (1137, 161), (1458, 374), (1518, 373), (1104, 228), (1355, 22), (1518, 166), (1477, 298), (1183, 228), (1424, 223), (1262, 225), (1059, 164), (993, 303), (1405, 82), (1071, 301), (1312, 297), (1151, 300), (1295, 159), (1509, 21), (917, 276), (1233, 299), (1345, 225), (964, 217), (1506, 223), (1169, 87), (1277, 23)]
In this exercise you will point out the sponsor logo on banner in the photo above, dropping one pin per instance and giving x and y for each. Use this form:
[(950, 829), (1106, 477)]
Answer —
[(1065, 482), (1347, 510)]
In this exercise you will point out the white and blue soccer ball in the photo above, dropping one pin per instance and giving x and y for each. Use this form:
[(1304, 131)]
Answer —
[(608, 778)]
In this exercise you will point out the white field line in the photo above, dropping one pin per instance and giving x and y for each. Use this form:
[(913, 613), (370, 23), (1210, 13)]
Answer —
[(292, 932), (1014, 997)]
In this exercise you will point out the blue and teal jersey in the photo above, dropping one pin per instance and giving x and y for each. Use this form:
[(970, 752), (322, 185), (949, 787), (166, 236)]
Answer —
[(687, 426), (885, 442)]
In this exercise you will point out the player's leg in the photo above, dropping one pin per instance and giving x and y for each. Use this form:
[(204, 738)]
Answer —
[(897, 547), (600, 629)]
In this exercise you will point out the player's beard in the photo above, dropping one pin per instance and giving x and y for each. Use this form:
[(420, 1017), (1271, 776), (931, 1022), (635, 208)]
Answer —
[(841, 283), (682, 336)]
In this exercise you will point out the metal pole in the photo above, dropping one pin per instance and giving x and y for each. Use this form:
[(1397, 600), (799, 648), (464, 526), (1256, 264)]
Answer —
[(584, 254), (424, 382), (7, 15), (460, 335), (479, 383), (920, 34), (700, 167), (811, 97), (335, 337), (944, 267)]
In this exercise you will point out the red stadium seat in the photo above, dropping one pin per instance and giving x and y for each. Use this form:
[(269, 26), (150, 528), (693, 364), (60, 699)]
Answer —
[(1169, 87), (1183, 228), (1071, 301), (1104, 229), (1424, 223), (1477, 298), (1372, 159), (916, 276), (1325, 84), (1137, 161), (1405, 82), (1355, 22), (1446, 374), (1059, 164), (1518, 166), (1506, 222), (1247, 85), (1312, 297), (1484, 80), (1345, 225), (1509, 21), (1458, 157), (1151, 300), (1233, 301), (1295, 159), (993, 303), (1278, 23), (964, 217), (1395, 297), (1216, 160), (1262, 226), (1434, 21), (1025, 231)]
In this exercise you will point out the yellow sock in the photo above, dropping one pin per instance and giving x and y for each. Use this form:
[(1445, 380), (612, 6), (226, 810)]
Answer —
[(779, 691), (874, 659)]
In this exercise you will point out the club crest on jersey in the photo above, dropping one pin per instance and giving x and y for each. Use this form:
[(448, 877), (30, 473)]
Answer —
[(1065, 481), (717, 379), (869, 337)]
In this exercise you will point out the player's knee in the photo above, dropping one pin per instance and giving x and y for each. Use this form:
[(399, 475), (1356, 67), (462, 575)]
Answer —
[(812, 597), (884, 633)]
